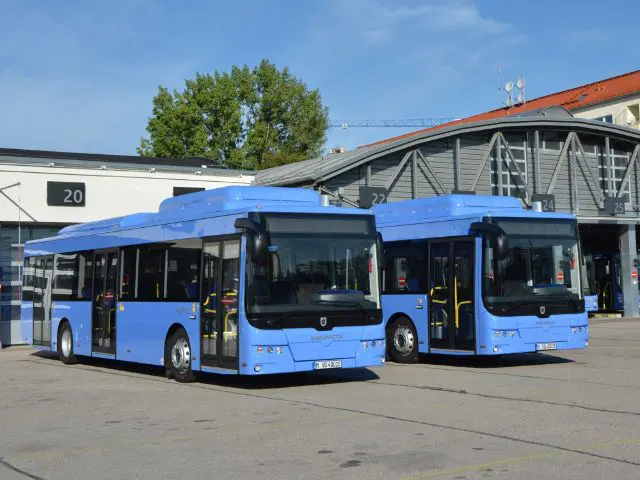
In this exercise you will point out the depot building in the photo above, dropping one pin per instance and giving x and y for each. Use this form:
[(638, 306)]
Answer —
[(41, 192), (582, 166)]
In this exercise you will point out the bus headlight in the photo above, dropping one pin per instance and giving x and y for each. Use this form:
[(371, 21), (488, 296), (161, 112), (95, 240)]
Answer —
[(278, 349)]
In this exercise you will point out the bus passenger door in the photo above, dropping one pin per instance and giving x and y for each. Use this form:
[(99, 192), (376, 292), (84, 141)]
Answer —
[(439, 296), (105, 282), (43, 276), (219, 303), (451, 295), (463, 295), (209, 303)]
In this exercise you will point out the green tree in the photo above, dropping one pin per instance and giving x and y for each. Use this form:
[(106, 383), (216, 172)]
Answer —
[(248, 118)]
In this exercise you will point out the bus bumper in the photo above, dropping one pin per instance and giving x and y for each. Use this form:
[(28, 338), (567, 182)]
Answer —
[(577, 338), (265, 363)]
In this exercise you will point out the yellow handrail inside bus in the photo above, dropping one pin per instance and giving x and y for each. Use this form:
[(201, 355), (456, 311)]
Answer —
[(458, 304)]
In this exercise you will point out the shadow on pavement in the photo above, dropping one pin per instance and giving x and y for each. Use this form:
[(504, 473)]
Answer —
[(500, 361), (256, 382)]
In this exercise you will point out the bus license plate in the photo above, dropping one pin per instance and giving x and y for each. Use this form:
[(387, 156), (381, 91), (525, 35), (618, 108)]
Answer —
[(327, 364), (546, 346)]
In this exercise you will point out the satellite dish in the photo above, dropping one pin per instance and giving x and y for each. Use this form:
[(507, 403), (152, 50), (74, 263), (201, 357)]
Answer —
[(508, 87), (520, 83)]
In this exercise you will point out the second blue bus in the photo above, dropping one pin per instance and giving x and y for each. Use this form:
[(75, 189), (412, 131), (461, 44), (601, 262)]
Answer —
[(479, 275)]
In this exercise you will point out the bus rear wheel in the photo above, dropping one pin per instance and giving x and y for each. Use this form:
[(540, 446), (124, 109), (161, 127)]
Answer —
[(179, 361), (65, 345), (402, 341)]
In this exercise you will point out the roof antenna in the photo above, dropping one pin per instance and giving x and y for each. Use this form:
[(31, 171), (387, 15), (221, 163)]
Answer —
[(498, 77)]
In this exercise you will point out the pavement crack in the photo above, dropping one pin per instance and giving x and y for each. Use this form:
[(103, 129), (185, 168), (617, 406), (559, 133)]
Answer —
[(512, 399), (6, 464)]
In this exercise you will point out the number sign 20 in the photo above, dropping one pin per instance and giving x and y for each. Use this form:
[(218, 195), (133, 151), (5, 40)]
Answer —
[(370, 196), (66, 194)]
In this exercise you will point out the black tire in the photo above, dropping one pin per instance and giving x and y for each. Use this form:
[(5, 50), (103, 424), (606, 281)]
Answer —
[(402, 341), (178, 357), (65, 345)]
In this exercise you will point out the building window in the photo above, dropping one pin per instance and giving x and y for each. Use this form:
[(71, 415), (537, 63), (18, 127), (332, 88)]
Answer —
[(605, 118), (512, 184), (552, 141)]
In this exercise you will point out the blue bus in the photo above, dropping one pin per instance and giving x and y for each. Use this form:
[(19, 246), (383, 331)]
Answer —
[(479, 275), (236, 280)]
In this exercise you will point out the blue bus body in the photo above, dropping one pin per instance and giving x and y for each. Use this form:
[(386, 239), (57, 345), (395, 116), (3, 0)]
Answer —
[(446, 290), (127, 288)]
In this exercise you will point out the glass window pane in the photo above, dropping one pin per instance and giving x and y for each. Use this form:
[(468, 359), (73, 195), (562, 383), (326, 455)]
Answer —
[(229, 299), (65, 276), (151, 274), (209, 297), (183, 270), (128, 259)]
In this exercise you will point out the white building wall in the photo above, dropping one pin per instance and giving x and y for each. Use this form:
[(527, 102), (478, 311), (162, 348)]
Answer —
[(109, 193), (624, 111)]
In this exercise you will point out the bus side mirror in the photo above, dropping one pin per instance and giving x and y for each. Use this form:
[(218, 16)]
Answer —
[(256, 239), (496, 236)]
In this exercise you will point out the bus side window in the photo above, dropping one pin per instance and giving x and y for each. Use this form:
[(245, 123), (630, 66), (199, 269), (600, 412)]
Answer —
[(405, 268), (151, 274), (183, 270)]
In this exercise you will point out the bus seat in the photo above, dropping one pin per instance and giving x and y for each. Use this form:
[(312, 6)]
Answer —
[(413, 284)]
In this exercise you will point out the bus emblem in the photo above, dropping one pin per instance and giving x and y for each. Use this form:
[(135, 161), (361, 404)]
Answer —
[(542, 310), (323, 321)]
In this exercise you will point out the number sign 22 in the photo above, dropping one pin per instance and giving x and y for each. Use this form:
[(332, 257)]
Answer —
[(66, 194), (370, 196)]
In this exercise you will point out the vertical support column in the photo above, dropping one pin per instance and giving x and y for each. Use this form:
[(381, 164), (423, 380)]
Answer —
[(608, 180), (536, 158), (627, 264), (414, 175), (368, 178), (456, 161), (499, 164), (573, 174)]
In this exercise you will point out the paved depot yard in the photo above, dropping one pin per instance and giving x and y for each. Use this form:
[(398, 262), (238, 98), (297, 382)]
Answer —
[(573, 415)]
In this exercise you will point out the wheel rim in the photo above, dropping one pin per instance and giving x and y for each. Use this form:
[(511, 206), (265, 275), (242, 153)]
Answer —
[(403, 340), (65, 342), (180, 355)]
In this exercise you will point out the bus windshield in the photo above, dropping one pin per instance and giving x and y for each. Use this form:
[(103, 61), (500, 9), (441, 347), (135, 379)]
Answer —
[(314, 264), (541, 267)]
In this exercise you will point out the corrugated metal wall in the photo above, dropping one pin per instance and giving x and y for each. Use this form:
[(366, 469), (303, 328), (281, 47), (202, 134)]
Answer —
[(574, 189)]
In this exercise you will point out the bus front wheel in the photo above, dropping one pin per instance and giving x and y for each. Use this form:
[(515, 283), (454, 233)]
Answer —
[(402, 341), (179, 362), (65, 345)]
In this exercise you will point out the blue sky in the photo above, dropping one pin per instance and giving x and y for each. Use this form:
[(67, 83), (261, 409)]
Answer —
[(81, 75)]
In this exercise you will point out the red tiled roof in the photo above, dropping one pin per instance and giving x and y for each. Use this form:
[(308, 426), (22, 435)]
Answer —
[(573, 99)]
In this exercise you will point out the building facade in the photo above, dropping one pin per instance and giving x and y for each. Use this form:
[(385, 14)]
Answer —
[(41, 192), (585, 167)]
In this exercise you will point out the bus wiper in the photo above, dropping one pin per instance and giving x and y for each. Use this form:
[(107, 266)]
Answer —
[(356, 305)]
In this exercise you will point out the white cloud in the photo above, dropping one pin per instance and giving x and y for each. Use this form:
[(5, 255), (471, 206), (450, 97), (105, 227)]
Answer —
[(380, 22)]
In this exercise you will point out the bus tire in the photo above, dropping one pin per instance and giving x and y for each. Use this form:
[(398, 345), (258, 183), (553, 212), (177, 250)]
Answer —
[(179, 361), (402, 341), (65, 345)]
